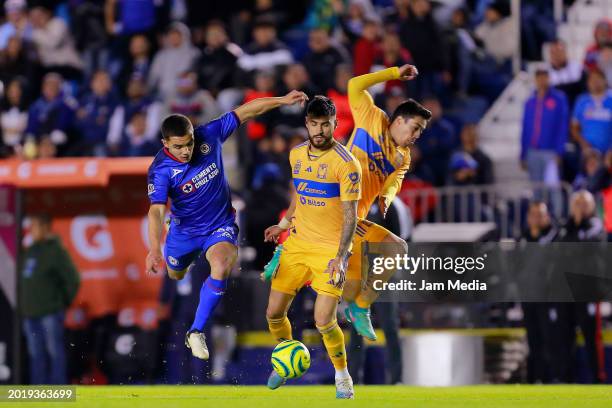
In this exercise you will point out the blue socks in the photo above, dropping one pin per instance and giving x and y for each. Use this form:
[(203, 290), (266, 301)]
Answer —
[(210, 295)]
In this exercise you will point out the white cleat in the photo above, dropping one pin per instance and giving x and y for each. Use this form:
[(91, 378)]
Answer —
[(196, 341), (344, 388)]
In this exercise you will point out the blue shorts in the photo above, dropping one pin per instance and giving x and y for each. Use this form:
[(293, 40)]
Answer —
[(182, 249)]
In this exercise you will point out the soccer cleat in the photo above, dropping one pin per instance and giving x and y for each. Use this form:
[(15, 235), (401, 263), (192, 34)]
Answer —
[(275, 380), (360, 318), (344, 388), (196, 341), (272, 266)]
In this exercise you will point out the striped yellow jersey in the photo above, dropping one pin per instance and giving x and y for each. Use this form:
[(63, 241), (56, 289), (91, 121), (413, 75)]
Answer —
[(322, 182), (384, 163)]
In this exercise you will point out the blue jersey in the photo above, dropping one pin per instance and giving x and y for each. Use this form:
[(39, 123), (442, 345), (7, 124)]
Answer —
[(198, 190)]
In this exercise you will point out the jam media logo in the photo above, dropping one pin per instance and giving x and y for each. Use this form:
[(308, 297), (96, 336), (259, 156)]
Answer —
[(172, 260), (297, 167), (187, 188), (322, 171), (205, 148), (151, 188)]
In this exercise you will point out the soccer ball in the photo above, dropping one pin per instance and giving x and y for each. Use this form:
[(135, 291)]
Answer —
[(291, 359)]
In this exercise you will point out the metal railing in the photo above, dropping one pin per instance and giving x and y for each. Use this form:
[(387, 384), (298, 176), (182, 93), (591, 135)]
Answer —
[(505, 205)]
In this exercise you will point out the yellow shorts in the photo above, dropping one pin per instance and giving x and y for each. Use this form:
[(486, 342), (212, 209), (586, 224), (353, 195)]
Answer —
[(301, 262), (367, 231)]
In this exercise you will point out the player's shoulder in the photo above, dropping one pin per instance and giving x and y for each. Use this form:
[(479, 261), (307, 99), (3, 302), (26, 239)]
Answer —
[(343, 153), (160, 161), (300, 149)]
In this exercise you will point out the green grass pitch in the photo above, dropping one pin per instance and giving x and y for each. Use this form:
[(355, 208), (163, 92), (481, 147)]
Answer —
[(508, 396)]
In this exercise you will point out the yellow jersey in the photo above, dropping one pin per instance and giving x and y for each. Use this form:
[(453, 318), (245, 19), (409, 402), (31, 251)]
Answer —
[(384, 164), (321, 183)]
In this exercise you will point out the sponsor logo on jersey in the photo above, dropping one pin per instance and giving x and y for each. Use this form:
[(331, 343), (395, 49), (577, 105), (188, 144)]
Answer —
[(173, 261), (175, 172), (322, 171), (310, 201), (354, 177), (309, 169), (205, 148), (151, 188), (297, 167), (303, 187), (187, 188)]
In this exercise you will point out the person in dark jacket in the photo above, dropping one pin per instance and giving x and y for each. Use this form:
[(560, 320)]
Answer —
[(323, 58), (49, 284)]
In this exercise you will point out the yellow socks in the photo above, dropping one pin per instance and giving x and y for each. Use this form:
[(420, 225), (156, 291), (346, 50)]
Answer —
[(280, 328), (333, 338)]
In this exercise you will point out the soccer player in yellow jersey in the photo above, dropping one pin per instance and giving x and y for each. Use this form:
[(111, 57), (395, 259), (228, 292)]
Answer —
[(381, 145), (327, 180)]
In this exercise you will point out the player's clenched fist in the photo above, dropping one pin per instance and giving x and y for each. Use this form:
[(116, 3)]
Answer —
[(272, 233), (295, 97), (153, 263), (408, 72)]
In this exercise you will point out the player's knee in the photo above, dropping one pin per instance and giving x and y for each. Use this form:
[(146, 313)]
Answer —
[(398, 243), (273, 312), (176, 275), (323, 319)]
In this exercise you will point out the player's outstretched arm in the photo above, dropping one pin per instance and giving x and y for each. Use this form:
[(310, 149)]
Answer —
[(338, 265), (272, 233), (358, 86), (156, 222), (260, 106)]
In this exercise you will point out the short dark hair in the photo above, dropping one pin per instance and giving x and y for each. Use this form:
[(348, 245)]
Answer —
[(320, 106), (176, 125), (42, 218), (410, 108)]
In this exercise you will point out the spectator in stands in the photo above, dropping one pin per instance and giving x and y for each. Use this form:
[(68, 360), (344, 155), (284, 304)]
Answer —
[(136, 139), (545, 130), (592, 117), (537, 316), (354, 18), (397, 14), (469, 144), (216, 66), (339, 94), (393, 54), (586, 178), (602, 35), (323, 58), (177, 56), (421, 35), (94, 113), (54, 44), (17, 23), (438, 141), (463, 169), (197, 104), (137, 102), (583, 225), (18, 59), (602, 184), (135, 17), (604, 61), (52, 114), (565, 75), (138, 63), (46, 149), (266, 51), (87, 27), (49, 284), (294, 77), (367, 48), (264, 87), (497, 33), (13, 118)]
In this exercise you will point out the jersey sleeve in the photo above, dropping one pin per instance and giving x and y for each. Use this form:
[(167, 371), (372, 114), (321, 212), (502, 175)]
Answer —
[(349, 176), (158, 186), (222, 127), (360, 101), (393, 183)]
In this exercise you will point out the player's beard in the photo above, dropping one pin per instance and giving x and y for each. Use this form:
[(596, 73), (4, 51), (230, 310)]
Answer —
[(326, 144)]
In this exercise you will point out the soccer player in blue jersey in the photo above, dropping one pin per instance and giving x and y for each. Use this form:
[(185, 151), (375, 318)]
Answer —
[(189, 171)]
